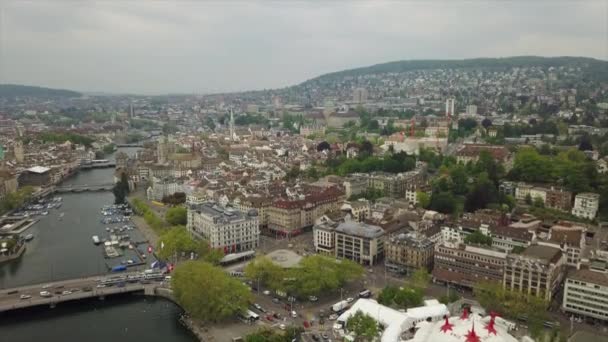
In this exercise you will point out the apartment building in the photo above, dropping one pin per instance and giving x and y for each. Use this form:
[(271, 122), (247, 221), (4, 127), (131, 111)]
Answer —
[(226, 228), (395, 185), (355, 184), (466, 265), (359, 242), (508, 238), (586, 292), (324, 238), (360, 210), (259, 203), (586, 205), (537, 271), (552, 197), (406, 253), (470, 153), (290, 217)]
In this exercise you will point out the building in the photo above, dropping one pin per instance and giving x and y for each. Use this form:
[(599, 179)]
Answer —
[(406, 253), (360, 95), (317, 129), (225, 228), (288, 217), (586, 292), (471, 110), (360, 210), (586, 205), (259, 203), (8, 183), (449, 107), (355, 184), (161, 187), (509, 238), (324, 238), (18, 151), (552, 197), (395, 185), (35, 176), (464, 265), (470, 153), (359, 242), (537, 271), (569, 238)]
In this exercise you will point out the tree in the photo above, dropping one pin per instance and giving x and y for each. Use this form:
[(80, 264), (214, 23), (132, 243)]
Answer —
[(538, 202), (177, 216), (174, 242), (421, 278), (121, 189), (486, 123), (478, 238), (443, 202), (207, 292), (323, 145), (210, 123), (423, 199), (367, 147), (363, 326), (585, 144), (528, 199), (312, 173)]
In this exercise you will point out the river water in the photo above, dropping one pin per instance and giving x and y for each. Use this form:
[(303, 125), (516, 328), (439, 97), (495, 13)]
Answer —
[(62, 249)]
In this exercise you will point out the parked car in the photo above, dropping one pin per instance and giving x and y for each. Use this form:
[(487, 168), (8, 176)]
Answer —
[(350, 299), (276, 300), (66, 292), (313, 298), (294, 314), (87, 289), (282, 327), (266, 292)]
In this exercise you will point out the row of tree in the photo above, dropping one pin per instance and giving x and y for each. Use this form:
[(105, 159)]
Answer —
[(314, 275)]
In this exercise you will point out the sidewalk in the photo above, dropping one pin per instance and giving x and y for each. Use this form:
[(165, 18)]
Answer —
[(143, 227)]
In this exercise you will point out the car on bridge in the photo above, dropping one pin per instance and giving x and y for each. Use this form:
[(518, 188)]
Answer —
[(45, 294), (25, 296)]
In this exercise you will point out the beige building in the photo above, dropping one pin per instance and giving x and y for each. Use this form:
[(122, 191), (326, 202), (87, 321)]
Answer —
[(8, 183), (360, 210), (586, 205), (324, 238), (259, 203), (537, 271), (406, 253), (359, 242)]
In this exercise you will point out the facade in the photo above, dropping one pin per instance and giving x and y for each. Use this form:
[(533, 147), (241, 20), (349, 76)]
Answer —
[(355, 185), (359, 242), (586, 292), (324, 238), (537, 271), (406, 253), (360, 210), (586, 205), (290, 217), (35, 176), (225, 228), (395, 185), (360, 95), (470, 153), (8, 183), (552, 197), (465, 266), (261, 204), (508, 238), (162, 187)]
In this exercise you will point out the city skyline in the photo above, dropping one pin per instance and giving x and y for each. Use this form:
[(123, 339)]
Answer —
[(212, 47)]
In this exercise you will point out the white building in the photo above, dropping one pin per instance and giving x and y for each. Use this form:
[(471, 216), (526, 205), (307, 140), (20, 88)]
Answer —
[(226, 228), (586, 292), (162, 187), (586, 205), (449, 107), (472, 110)]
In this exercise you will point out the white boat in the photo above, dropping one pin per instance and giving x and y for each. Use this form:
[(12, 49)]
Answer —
[(29, 237), (61, 214), (96, 240), (45, 213)]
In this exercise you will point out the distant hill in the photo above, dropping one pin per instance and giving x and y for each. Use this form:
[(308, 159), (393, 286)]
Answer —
[(592, 68), (15, 90)]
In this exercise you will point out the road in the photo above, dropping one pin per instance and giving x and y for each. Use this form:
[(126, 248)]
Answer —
[(78, 289)]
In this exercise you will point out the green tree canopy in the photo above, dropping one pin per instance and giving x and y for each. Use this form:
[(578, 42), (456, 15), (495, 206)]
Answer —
[(177, 216), (207, 292), (363, 326)]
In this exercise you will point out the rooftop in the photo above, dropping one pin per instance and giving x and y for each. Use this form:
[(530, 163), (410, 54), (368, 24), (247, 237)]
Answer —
[(545, 253), (360, 229)]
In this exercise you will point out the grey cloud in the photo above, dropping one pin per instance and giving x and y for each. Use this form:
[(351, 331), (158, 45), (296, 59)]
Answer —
[(157, 47)]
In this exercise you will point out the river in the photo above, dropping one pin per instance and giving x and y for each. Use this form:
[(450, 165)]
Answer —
[(62, 249)]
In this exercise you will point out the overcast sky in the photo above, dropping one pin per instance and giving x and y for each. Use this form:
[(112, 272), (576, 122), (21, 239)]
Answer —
[(195, 47)]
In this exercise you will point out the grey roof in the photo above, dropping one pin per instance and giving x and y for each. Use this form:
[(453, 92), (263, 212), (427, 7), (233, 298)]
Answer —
[(220, 213), (545, 253), (360, 229)]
